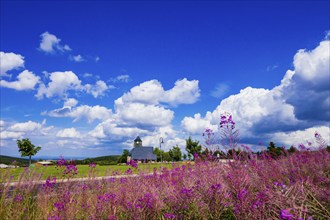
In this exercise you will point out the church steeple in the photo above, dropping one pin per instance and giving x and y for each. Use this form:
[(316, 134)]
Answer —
[(137, 142)]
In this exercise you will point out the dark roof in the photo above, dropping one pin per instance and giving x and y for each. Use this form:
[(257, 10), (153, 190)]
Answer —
[(143, 153), (137, 139)]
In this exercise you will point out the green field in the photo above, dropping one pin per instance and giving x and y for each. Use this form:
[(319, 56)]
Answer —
[(82, 171)]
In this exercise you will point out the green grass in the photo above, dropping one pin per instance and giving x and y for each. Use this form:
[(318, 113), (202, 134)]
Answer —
[(83, 170)]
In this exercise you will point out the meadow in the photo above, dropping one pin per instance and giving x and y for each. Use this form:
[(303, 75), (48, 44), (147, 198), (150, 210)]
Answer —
[(287, 186), (295, 186), (82, 171)]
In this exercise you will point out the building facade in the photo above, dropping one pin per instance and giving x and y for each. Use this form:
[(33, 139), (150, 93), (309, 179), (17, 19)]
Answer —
[(141, 153)]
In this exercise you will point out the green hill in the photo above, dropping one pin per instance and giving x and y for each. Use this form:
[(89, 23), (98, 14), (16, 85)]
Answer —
[(19, 161), (104, 160)]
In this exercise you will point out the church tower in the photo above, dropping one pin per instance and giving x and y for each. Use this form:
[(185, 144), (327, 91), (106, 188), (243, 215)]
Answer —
[(137, 142)]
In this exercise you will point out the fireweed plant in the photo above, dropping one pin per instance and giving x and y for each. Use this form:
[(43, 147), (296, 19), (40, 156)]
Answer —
[(293, 186)]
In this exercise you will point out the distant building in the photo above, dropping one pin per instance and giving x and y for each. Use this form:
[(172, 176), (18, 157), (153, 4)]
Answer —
[(140, 153), (5, 166), (44, 163)]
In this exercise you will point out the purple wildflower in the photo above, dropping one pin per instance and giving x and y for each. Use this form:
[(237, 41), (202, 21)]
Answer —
[(132, 163), (59, 206), (92, 165), (18, 198), (49, 183), (70, 169), (169, 216), (61, 162), (286, 215)]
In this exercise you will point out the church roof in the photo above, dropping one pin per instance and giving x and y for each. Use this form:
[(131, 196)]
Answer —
[(137, 139), (143, 153)]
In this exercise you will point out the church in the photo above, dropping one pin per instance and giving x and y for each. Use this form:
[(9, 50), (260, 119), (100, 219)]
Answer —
[(141, 153)]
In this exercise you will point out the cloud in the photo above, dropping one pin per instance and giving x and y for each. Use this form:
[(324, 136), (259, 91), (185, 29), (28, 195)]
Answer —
[(250, 107), (184, 92), (220, 90), (60, 83), (148, 92), (78, 58), (10, 61), (137, 112), (24, 129), (300, 102), (97, 59), (121, 78), (68, 133), (302, 136), (140, 112), (152, 92), (141, 106), (143, 115), (26, 80), (110, 130), (309, 88), (51, 44), (327, 35), (98, 89), (63, 82), (87, 75), (196, 125), (11, 134), (91, 113), (71, 102)]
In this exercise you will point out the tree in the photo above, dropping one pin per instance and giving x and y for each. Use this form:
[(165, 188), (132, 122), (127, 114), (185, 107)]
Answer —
[(123, 157), (175, 153), (193, 147), (292, 150), (27, 149), (274, 151), (159, 153)]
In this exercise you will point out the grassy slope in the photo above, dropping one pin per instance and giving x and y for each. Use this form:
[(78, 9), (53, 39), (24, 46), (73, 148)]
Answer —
[(83, 170), (9, 160)]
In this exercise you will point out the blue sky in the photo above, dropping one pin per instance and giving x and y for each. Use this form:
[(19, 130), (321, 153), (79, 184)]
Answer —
[(84, 78)]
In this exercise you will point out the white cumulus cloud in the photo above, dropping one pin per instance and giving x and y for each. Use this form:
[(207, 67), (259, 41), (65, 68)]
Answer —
[(63, 82), (24, 129), (90, 113), (78, 58), (309, 87), (152, 92), (300, 102), (71, 102), (51, 44), (144, 115), (304, 136), (26, 80), (10, 61), (183, 92), (60, 83), (98, 89), (68, 133)]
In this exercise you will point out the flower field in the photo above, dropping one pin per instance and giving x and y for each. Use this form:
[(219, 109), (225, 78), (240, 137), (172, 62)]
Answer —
[(292, 187)]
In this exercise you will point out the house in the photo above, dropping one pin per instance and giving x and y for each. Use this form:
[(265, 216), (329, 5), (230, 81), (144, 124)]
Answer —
[(141, 153), (5, 166), (44, 163)]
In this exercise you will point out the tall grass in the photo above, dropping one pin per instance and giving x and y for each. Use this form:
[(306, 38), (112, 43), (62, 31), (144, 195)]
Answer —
[(292, 187)]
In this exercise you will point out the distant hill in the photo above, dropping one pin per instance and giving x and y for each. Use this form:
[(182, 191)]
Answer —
[(104, 160), (9, 160)]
